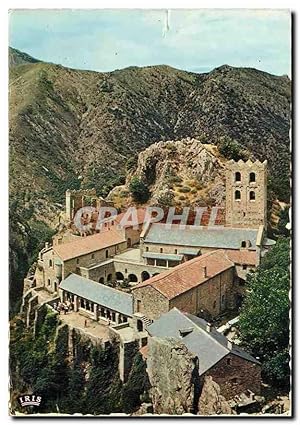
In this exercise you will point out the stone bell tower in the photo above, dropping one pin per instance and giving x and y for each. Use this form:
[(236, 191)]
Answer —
[(246, 194)]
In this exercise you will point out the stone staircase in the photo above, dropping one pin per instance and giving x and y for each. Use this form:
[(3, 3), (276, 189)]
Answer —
[(147, 322)]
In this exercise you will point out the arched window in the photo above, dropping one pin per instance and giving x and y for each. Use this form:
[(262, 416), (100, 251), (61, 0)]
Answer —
[(119, 276), (237, 195), (252, 195), (161, 250), (237, 176), (243, 244), (145, 275), (106, 253), (50, 263), (175, 251), (252, 177)]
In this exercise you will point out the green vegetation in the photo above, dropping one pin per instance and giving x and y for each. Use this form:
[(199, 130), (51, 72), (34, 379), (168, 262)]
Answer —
[(139, 190), (131, 163), (26, 238), (184, 189), (231, 149), (89, 384), (264, 319), (137, 386)]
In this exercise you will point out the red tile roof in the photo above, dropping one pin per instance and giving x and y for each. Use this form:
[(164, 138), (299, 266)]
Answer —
[(188, 275), (144, 351), (241, 256), (140, 212), (88, 244)]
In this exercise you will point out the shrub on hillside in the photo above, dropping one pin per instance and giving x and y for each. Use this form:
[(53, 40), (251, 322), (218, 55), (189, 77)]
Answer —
[(139, 190)]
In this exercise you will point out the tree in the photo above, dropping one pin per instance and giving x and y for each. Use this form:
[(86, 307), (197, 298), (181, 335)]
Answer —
[(137, 387), (139, 190), (264, 319), (231, 149)]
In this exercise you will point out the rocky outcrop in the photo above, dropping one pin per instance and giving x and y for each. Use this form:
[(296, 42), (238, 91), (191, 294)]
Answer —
[(211, 402), (170, 369), (178, 173)]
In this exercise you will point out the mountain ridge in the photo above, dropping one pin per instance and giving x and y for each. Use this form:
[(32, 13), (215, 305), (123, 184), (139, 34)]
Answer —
[(122, 112)]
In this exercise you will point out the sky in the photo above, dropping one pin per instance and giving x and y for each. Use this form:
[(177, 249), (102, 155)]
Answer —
[(194, 40)]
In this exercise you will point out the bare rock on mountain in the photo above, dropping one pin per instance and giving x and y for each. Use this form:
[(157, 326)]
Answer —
[(182, 172), (211, 402), (170, 367)]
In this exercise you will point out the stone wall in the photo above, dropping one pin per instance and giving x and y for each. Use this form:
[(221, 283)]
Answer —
[(245, 212), (212, 296), (94, 258), (235, 375), (211, 401), (150, 302), (49, 272)]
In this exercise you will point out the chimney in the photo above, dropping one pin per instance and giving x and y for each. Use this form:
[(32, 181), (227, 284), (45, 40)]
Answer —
[(229, 345), (186, 331), (208, 327), (204, 271)]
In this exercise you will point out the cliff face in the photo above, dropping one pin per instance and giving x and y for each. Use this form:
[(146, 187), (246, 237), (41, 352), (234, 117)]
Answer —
[(211, 401), (170, 369), (180, 173)]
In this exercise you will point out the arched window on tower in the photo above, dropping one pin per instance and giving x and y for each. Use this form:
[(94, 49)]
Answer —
[(252, 195), (237, 176), (237, 195), (252, 178)]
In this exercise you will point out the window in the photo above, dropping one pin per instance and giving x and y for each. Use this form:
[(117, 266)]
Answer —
[(92, 256), (77, 261), (161, 250), (125, 271), (147, 248), (175, 251), (244, 266), (243, 244), (215, 304), (252, 177), (138, 305), (50, 263), (223, 299), (237, 176), (49, 282), (228, 361), (237, 195), (106, 253), (252, 195)]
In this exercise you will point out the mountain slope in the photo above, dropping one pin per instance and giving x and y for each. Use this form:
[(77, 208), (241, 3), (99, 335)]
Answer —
[(16, 57), (65, 123)]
